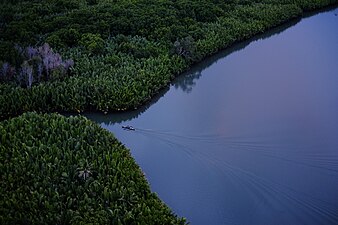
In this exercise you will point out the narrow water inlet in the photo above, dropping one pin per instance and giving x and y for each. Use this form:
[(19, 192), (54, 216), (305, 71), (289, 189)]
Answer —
[(248, 137)]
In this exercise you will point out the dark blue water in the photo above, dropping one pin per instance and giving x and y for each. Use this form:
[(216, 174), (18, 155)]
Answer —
[(249, 136)]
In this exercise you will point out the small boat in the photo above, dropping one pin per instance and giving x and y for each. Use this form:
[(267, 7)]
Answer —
[(128, 128)]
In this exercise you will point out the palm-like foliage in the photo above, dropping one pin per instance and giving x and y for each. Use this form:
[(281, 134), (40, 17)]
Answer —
[(124, 52), (58, 170)]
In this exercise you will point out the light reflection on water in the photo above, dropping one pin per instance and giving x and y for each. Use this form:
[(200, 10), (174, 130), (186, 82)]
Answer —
[(249, 137)]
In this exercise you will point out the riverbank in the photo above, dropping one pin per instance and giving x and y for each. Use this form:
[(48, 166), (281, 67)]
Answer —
[(58, 170), (234, 135), (133, 64), (129, 71)]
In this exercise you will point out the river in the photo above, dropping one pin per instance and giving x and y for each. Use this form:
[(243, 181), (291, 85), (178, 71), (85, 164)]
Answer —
[(250, 135)]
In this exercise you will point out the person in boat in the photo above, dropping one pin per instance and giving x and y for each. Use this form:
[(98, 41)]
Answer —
[(128, 127)]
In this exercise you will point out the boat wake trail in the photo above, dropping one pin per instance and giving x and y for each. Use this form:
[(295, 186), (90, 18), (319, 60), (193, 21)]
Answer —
[(231, 157)]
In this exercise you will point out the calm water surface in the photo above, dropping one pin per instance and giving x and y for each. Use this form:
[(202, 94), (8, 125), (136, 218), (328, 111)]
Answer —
[(249, 136)]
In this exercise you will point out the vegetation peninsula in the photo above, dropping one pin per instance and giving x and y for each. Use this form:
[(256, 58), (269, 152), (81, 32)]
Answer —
[(100, 55)]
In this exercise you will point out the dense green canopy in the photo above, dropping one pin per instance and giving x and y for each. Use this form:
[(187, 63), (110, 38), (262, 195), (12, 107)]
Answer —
[(106, 55), (58, 170), (124, 50)]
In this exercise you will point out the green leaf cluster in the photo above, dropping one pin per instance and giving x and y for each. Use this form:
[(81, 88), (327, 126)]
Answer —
[(93, 43)]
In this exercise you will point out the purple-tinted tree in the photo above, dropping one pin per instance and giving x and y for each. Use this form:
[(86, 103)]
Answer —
[(6, 72), (39, 64)]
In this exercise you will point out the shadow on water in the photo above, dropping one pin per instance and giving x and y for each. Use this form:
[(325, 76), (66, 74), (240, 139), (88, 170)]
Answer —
[(187, 80), (322, 10), (276, 167), (119, 117)]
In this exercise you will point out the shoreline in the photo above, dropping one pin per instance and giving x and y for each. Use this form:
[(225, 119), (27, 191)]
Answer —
[(238, 45), (24, 100), (142, 106)]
